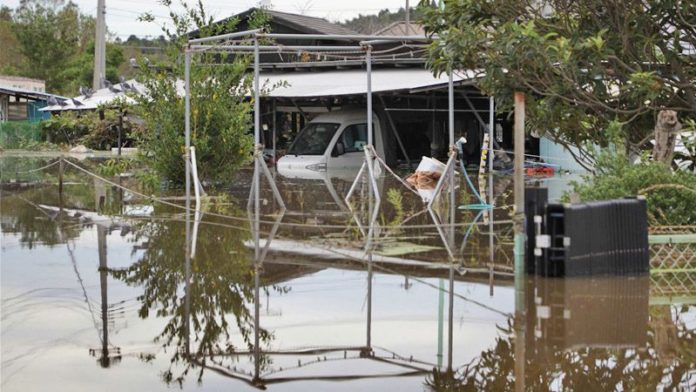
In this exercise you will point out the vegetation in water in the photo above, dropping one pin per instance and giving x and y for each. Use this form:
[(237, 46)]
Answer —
[(220, 112)]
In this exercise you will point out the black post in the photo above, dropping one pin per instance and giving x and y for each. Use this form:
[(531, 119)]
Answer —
[(120, 129)]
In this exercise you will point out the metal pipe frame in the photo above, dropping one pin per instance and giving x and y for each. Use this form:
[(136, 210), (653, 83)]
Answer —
[(347, 37), (491, 199), (274, 48), (449, 170), (225, 36)]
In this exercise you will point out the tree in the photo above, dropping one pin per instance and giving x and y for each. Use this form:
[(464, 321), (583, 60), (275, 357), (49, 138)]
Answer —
[(51, 33), (583, 63), (10, 56), (220, 112)]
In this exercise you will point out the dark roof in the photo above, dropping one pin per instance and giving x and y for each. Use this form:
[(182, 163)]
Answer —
[(28, 94), (300, 24), (399, 28), (310, 23)]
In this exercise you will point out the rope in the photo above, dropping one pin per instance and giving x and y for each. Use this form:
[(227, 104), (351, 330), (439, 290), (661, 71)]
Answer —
[(41, 168), (246, 220), (407, 185)]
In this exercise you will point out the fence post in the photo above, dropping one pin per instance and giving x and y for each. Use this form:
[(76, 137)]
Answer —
[(60, 182)]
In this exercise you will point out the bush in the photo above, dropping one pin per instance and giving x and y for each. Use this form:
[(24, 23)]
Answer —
[(671, 195), (220, 111), (89, 129)]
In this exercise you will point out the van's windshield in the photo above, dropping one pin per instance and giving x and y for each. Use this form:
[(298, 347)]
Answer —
[(313, 139)]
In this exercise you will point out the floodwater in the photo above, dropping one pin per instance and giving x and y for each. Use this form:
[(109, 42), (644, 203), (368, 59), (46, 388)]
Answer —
[(99, 293)]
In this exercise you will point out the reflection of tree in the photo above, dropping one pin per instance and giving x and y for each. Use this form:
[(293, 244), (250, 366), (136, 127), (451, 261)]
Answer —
[(584, 369), (220, 291), (22, 215)]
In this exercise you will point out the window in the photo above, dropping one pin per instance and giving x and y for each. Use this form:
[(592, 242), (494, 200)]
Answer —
[(313, 139), (354, 137)]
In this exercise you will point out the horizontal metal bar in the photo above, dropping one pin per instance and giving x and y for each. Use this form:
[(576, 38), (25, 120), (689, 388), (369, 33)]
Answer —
[(431, 110), (224, 36), (346, 37), (387, 41), (247, 48), (672, 239)]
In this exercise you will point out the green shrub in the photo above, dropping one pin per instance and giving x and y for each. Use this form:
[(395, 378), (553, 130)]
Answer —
[(90, 128), (220, 111), (66, 128), (671, 194)]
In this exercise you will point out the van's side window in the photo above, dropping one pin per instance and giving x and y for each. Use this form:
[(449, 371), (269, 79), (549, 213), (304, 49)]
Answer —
[(354, 137)]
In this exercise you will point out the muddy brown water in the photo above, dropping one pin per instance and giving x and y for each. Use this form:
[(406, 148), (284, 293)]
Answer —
[(99, 295)]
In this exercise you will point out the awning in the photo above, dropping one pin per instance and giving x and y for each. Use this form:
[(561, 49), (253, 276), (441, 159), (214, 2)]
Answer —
[(300, 84), (354, 82), (28, 94)]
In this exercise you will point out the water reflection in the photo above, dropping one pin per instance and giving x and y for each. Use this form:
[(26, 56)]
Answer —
[(585, 334), (321, 313)]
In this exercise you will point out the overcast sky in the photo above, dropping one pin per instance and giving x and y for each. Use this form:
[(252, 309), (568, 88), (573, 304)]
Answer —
[(121, 15)]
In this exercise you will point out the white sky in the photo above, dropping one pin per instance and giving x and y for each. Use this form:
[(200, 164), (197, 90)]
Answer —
[(121, 15)]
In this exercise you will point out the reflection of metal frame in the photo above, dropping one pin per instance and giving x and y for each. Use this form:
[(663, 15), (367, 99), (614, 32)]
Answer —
[(254, 206)]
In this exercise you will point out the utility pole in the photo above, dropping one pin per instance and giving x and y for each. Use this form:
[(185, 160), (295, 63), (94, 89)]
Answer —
[(100, 47), (408, 19)]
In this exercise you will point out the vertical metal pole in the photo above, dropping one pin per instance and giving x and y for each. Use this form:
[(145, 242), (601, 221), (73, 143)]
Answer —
[(369, 304), (450, 112), (101, 244), (257, 156), (187, 136), (440, 322), (450, 320), (368, 64), (450, 173), (257, 103), (274, 131), (491, 196), (257, 315)]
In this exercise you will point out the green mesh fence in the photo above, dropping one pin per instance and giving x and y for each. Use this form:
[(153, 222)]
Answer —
[(19, 134)]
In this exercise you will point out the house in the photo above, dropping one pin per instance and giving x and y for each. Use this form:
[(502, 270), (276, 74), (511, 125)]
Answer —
[(21, 98)]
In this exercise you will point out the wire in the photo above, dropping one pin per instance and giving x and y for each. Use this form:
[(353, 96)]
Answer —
[(246, 220)]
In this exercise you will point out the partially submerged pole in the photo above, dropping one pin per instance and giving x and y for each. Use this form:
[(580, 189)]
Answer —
[(491, 198), (450, 173), (520, 333), (187, 137)]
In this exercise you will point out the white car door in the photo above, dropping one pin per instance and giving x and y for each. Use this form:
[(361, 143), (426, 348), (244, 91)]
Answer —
[(353, 138)]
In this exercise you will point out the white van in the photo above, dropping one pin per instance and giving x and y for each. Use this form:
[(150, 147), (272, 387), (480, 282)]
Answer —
[(332, 141)]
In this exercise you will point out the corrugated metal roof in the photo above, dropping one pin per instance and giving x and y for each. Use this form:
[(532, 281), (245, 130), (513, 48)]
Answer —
[(100, 97)]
